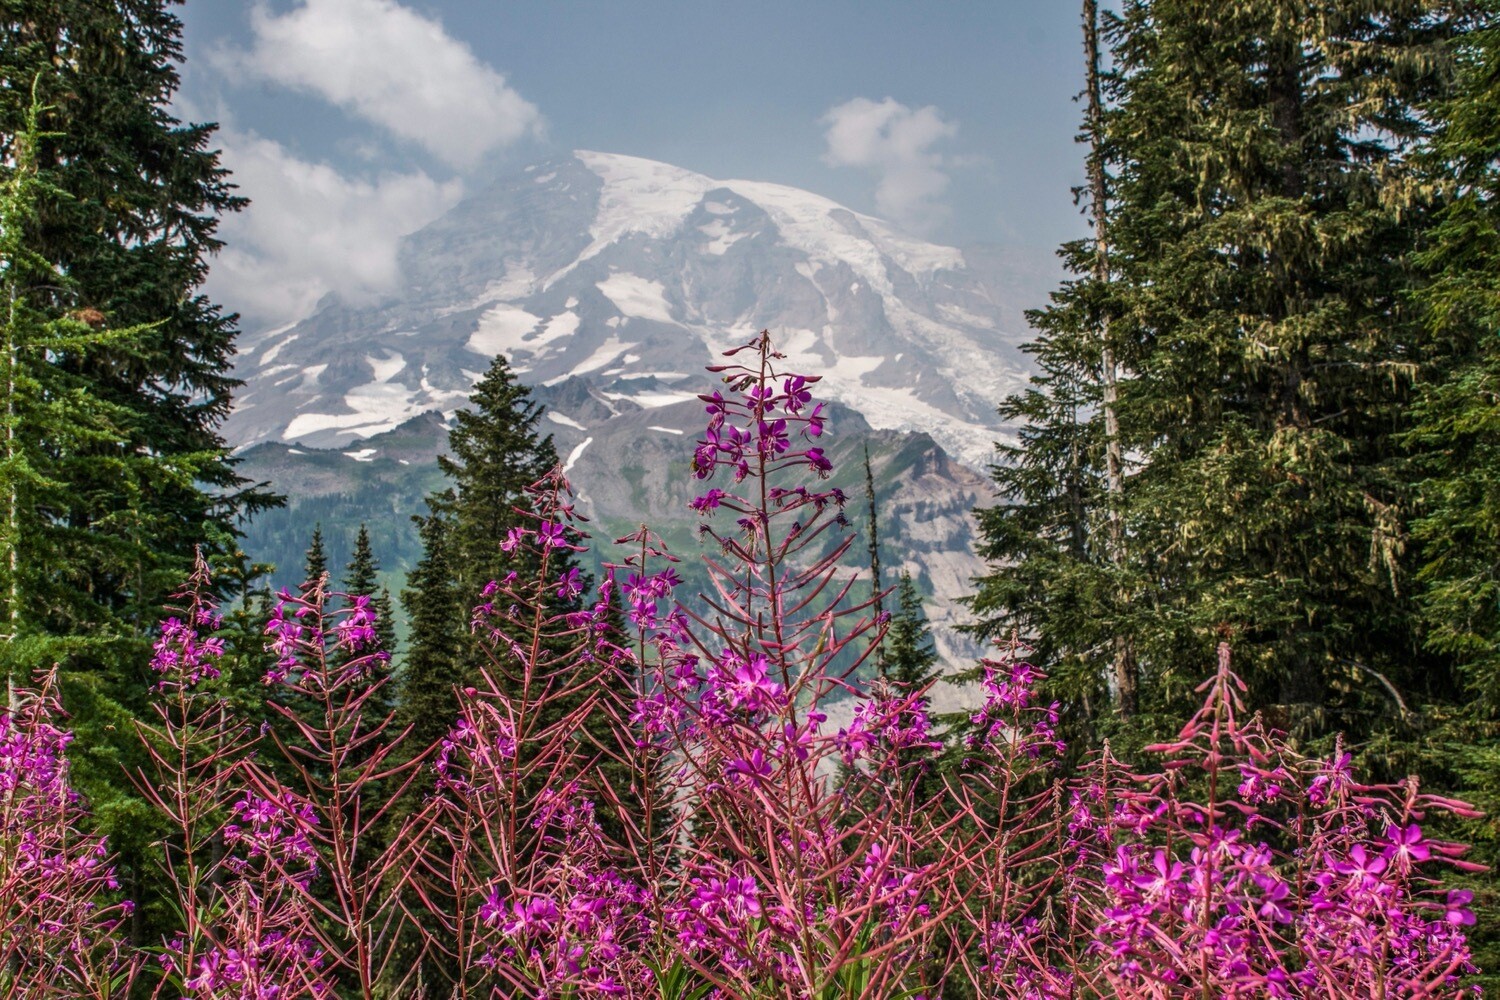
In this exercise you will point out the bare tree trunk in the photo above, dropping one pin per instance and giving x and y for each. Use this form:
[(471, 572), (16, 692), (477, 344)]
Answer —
[(1126, 676), (874, 533), (12, 501)]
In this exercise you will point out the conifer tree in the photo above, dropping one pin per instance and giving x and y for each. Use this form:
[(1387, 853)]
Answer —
[(911, 664), (246, 660), (873, 534), (1124, 674), (435, 654), (52, 423), (1261, 233), (495, 452), (124, 219), (1456, 437), (1249, 280), (136, 198), (1455, 449), (1050, 581), (315, 562), (911, 659), (1056, 537), (360, 579)]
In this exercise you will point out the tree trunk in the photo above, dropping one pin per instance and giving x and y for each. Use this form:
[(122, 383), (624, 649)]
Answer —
[(1126, 675)]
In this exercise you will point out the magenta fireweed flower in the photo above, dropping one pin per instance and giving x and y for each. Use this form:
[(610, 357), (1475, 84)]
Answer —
[(740, 684), (717, 915), (1456, 909), (888, 723), (537, 915), (708, 502), (750, 770), (551, 536), (815, 422), (513, 538), (796, 393), (761, 398), (1339, 915), (182, 654), (773, 437), (1258, 786), (54, 876), (570, 585), (271, 967), (274, 831), (1405, 845), (1361, 865)]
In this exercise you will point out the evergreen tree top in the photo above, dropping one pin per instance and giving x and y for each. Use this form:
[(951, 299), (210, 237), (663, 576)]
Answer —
[(495, 454), (315, 565), (362, 572), (496, 437), (910, 657)]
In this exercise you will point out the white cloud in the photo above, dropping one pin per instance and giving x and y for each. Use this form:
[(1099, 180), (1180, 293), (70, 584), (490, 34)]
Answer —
[(311, 230), (391, 66), (894, 142)]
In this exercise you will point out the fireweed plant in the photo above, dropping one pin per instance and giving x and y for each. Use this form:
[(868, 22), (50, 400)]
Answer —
[(646, 798), (55, 878), (237, 863), (1243, 868)]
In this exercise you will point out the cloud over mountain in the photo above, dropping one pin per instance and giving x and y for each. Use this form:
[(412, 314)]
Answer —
[(894, 142), (393, 67), (312, 229)]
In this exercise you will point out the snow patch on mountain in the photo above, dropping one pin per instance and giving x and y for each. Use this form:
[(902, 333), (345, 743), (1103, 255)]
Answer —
[(637, 296), (640, 196), (387, 367), (502, 328), (576, 454), (606, 352)]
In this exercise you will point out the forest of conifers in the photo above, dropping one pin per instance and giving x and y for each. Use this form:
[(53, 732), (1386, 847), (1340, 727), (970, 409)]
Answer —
[(1243, 704)]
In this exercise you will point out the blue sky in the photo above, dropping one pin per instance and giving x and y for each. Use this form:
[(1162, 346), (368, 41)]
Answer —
[(351, 122)]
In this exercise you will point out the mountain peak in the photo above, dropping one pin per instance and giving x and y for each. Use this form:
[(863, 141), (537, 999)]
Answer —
[(633, 274)]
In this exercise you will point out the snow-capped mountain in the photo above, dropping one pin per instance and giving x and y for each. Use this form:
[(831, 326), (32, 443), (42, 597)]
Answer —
[(609, 282), (634, 274)]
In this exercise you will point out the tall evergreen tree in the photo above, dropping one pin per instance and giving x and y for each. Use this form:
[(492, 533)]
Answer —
[(911, 659), (434, 662), (64, 442), (138, 198), (1125, 673), (51, 425), (1056, 539), (1045, 539), (494, 454), (1456, 437), (1262, 231), (360, 578), (124, 218), (245, 659), (1455, 447), (872, 531)]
